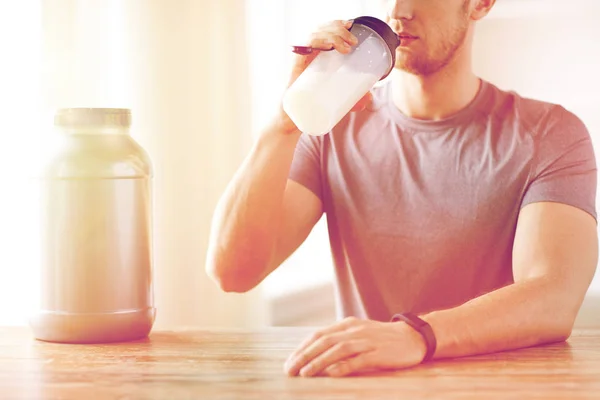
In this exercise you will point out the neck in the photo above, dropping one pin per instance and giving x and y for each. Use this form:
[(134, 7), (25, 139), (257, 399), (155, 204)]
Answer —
[(439, 95)]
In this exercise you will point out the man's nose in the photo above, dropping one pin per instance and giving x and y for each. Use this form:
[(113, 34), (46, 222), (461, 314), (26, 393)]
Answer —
[(401, 9)]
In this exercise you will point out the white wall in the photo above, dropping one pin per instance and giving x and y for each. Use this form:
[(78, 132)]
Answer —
[(20, 37), (552, 55)]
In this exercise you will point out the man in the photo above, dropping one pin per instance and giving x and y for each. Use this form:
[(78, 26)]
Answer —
[(467, 210)]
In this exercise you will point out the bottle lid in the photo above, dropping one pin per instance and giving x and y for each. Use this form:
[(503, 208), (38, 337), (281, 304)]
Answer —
[(106, 117), (385, 32)]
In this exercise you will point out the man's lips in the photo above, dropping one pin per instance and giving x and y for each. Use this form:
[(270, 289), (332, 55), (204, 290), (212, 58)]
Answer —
[(405, 36), (406, 39)]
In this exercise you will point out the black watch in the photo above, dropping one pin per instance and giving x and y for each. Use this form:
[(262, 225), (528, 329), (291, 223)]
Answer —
[(423, 328)]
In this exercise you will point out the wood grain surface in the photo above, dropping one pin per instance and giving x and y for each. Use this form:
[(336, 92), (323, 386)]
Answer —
[(196, 364)]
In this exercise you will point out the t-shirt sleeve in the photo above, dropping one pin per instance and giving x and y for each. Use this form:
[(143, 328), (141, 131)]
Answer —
[(564, 165), (306, 165)]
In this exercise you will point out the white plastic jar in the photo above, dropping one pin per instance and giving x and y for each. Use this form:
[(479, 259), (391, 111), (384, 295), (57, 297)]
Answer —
[(96, 261)]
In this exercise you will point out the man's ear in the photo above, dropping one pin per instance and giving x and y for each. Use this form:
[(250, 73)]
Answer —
[(481, 8)]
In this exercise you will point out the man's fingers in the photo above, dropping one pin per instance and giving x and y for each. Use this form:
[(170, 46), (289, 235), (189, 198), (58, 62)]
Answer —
[(343, 350), (321, 42), (360, 363), (314, 349), (328, 41), (297, 359), (334, 35), (337, 327), (339, 29), (341, 45)]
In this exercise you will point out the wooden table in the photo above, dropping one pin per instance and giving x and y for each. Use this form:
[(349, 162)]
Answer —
[(192, 364)]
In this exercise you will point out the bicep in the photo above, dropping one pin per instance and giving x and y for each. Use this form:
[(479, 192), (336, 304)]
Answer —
[(302, 209), (557, 242)]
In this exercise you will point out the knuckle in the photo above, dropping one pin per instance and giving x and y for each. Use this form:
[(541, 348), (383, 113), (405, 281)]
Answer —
[(321, 43), (345, 33), (301, 359), (346, 347), (315, 365), (327, 341), (339, 36), (315, 37), (338, 41), (359, 329)]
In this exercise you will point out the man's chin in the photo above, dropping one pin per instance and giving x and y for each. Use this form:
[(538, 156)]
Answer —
[(403, 66), (404, 69)]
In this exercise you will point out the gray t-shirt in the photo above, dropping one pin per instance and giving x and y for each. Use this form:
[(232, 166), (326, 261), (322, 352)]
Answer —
[(422, 214)]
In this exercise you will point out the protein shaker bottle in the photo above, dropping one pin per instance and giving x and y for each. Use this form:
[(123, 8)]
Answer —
[(334, 82), (96, 261)]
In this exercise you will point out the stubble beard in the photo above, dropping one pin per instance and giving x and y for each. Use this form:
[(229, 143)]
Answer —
[(443, 54)]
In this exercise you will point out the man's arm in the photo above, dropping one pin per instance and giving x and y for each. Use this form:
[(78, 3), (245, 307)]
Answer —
[(261, 220), (263, 216), (554, 259)]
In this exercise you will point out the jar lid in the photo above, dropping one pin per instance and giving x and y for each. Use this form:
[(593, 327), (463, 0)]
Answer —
[(385, 32), (106, 117)]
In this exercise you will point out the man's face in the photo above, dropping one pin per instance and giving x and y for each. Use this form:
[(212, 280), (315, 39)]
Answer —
[(431, 32)]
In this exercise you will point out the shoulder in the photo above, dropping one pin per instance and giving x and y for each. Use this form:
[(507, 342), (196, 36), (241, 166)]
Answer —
[(538, 118)]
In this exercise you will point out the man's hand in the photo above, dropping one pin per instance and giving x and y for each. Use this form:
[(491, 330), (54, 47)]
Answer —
[(355, 346), (334, 35)]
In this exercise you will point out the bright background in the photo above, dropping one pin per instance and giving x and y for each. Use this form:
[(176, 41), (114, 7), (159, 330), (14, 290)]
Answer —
[(202, 77)]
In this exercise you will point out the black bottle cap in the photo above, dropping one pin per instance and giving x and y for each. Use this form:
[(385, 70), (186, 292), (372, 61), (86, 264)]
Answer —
[(385, 32)]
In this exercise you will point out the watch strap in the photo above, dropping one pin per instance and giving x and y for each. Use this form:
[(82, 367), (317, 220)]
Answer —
[(423, 328)]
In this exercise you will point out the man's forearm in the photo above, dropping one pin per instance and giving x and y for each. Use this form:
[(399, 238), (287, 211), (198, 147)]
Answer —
[(524, 314), (245, 222)]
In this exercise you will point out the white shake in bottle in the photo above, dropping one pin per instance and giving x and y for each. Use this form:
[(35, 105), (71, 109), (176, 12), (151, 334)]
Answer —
[(311, 103), (334, 82)]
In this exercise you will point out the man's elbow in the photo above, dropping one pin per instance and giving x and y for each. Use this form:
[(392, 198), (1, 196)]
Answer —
[(230, 284), (562, 332), (548, 332), (562, 321), (558, 304), (230, 278)]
